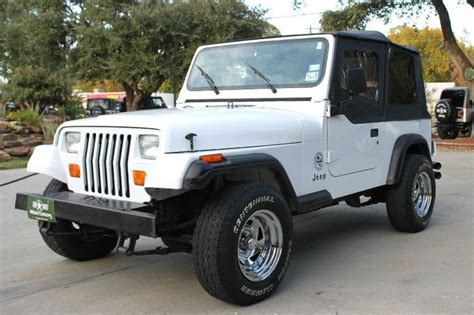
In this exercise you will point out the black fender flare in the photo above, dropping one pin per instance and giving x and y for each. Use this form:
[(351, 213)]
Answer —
[(200, 174), (400, 149)]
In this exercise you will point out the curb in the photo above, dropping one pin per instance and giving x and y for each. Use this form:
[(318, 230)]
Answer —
[(454, 145)]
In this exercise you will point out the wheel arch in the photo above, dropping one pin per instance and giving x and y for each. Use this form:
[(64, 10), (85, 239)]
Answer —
[(405, 144), (255, 166)]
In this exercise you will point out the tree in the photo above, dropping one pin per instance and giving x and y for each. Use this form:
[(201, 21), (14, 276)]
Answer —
[(353, 17), (437, 67), (35, 87), (34, 44), (105, 85), (356, 14), (117, 41), (142, 43)]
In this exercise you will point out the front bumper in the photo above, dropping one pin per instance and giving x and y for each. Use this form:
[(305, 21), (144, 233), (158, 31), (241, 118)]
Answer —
[(123, 216)]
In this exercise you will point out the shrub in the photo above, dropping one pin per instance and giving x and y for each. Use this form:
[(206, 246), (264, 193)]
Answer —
[(30, 115), (73, 109), (49, 129)]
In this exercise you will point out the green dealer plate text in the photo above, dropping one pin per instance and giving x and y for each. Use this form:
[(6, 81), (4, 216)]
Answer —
[(42, 209)]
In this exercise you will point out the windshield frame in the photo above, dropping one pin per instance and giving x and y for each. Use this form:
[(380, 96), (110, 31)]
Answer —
[(263, 86)]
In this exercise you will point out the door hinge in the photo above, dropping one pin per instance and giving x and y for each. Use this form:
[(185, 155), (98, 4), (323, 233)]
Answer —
[(330, 156)]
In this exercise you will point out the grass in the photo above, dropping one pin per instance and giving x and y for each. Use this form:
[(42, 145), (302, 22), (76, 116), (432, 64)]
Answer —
[(15, 162)]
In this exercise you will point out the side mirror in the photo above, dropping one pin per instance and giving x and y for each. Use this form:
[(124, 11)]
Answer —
[(356, 81)]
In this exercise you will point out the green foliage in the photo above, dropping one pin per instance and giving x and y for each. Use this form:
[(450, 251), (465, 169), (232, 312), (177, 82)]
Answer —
[(14, 162), (30, 115), (356, 14), (354, 17), (49, 130), (34, 45), (105, 85), (35, 86), (73, 109)]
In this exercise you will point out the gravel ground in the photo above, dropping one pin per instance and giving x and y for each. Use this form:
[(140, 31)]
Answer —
[(346, 260)]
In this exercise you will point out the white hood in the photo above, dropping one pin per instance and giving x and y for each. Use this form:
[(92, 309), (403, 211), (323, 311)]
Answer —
[(216, 128)]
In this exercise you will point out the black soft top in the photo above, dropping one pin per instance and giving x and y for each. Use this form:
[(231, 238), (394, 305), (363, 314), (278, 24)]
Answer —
[(372, 36)]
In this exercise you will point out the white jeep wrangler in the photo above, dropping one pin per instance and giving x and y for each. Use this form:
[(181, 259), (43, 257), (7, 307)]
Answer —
[(263, 130), (454, 113)]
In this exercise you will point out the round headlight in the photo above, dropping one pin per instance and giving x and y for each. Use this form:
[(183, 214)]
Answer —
[(73, 141), (148, 146)]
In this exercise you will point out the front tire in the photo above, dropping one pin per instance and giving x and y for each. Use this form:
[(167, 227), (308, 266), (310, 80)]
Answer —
[(242, 243), (75, 247), (410, 203)]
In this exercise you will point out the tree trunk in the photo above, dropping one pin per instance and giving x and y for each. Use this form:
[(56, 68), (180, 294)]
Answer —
[(133, 96), (129, 96), (459, 58), (139, 95)]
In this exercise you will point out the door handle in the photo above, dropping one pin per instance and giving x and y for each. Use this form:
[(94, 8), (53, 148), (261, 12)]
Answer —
[(374, 132)]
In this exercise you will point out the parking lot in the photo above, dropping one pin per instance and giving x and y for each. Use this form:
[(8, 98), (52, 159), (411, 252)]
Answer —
[(346, 260)]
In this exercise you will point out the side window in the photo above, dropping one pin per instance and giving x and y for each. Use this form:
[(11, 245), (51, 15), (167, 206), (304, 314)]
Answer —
[(368, 61), (402, 84)]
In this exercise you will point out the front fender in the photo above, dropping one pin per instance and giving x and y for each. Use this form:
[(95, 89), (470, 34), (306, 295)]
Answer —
[(45, 160)]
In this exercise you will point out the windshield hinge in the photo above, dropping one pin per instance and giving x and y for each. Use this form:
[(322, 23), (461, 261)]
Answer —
[(330, 157), (327, 108)]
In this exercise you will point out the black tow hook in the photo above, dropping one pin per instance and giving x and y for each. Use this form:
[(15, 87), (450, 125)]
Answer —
[(130, 249)]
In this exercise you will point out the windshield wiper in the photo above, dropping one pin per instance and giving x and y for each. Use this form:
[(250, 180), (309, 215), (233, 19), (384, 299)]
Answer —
[(263, 77), (209, 80)]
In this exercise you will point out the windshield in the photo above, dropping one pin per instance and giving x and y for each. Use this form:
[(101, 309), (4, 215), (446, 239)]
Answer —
[(273, 64)]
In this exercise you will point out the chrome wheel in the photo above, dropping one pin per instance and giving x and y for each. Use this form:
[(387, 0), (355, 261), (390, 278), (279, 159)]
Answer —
[(422, 194), (260, 245)]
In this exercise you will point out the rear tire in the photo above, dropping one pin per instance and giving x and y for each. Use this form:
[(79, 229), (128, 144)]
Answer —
[(79, 248), (242, 243), (467, 131), (447, 133), (410, 203)]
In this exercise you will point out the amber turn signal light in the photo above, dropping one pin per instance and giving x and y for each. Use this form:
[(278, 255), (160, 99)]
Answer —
[(139, 178), (212, 158), (74, 170)]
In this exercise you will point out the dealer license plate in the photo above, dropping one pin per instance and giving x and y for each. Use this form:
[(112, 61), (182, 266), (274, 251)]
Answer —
[(42, 209)]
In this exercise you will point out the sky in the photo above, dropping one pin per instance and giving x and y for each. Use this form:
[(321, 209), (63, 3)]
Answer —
[(290, 21)]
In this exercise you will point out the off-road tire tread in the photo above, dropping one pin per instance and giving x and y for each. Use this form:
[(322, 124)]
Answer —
[(206, 240), (398, 198), (59, 244)]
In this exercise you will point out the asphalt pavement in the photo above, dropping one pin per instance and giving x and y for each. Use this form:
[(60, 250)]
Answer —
[(346, 261)]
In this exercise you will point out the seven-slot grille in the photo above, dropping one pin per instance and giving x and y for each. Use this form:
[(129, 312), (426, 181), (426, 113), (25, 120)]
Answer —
[(105, 163)]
